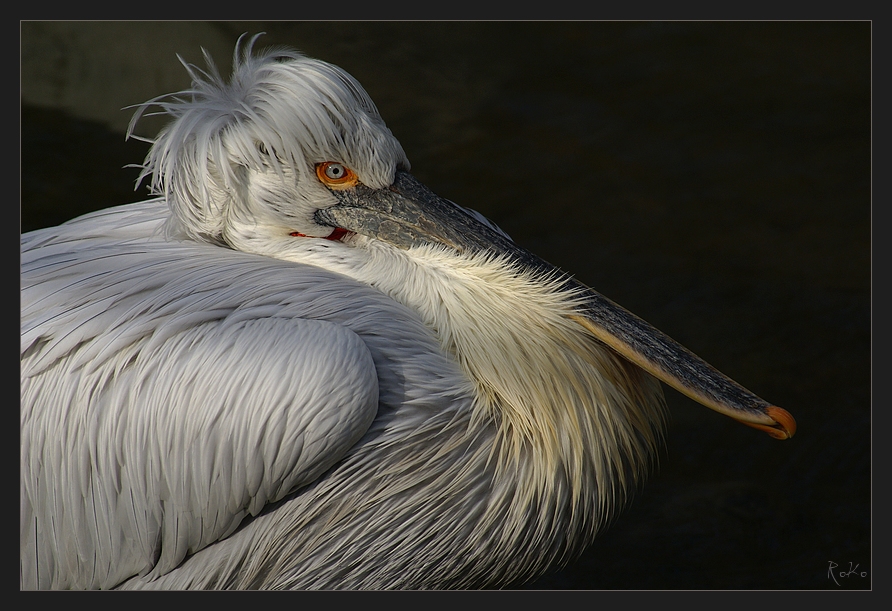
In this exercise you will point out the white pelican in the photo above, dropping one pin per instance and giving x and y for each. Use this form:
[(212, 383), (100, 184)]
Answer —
[(297, 367)]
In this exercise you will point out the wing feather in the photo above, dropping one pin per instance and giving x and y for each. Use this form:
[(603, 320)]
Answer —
[(166, 396)]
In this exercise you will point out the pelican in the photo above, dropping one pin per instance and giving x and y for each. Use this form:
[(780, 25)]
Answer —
[(296, 367)]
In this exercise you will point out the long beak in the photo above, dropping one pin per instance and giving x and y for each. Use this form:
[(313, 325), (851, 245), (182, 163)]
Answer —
[(408, 214)]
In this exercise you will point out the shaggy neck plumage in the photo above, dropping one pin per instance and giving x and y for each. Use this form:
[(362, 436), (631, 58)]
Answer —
[(514, 337)]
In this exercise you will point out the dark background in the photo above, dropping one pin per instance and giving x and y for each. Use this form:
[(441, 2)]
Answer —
[(712, 177)]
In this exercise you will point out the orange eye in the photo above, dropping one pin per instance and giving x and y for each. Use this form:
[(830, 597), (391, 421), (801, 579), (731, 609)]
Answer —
[(336, 175)]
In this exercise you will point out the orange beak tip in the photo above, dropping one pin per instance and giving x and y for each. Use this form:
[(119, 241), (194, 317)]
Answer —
[(784, 427), (784, 419)]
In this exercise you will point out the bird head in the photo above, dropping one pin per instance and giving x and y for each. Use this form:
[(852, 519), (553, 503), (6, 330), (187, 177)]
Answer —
[(241, 157)]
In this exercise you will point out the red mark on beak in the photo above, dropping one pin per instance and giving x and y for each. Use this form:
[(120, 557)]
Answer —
[(337, 234), (334, 236)]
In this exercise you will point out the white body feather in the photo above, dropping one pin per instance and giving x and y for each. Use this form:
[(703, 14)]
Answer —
[(210, 402)]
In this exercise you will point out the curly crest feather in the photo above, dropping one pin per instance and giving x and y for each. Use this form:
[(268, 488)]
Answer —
[(281, 112)]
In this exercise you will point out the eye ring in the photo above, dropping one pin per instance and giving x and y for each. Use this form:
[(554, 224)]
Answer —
[(336, 175)]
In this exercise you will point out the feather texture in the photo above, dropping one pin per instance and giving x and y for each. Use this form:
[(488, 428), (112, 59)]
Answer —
[(209, 401)]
